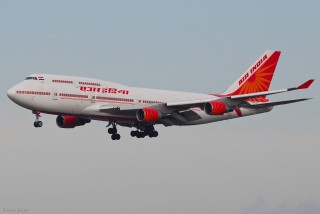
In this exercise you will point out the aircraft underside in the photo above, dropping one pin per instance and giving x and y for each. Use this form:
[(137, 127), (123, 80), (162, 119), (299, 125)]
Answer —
[(143, 129)]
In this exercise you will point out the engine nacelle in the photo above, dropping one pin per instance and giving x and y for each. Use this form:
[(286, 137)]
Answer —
[(70, 121), (148, 115), (216, 108)]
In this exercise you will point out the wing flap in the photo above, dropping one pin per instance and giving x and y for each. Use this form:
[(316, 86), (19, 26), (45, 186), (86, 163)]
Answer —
[(277, 103)]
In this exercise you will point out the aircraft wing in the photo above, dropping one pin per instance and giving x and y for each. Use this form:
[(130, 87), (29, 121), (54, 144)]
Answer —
[(121, 109), (126, 107), (168, 108), (118, 107)]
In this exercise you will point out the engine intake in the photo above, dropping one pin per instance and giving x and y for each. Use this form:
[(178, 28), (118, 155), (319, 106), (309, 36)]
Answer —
[(148, 115), (216, 108), (70, 121)]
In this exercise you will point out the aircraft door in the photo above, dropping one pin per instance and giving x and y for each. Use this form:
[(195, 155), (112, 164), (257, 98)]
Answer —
[(93, 97), (138, 99), (54, 94), (75, 82)]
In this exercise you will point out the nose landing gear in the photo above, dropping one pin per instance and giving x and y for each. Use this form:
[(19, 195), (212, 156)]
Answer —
[(37, 123)]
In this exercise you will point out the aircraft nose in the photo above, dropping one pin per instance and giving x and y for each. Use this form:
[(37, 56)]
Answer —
[(11, 92)]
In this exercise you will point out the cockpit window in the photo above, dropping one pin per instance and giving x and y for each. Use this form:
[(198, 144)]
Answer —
[(31, 78)]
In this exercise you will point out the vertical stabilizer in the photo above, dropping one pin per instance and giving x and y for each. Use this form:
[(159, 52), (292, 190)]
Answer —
[(258, 77)]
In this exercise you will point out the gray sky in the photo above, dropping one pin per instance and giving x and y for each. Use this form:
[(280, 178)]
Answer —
[(265, 164)]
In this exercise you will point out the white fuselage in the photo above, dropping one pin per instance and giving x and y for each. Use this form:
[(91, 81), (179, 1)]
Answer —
[(77, 96)]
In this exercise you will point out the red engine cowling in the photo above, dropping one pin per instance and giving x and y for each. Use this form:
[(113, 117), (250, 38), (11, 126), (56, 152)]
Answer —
[(216, 108), (148, 115), (70, 121)]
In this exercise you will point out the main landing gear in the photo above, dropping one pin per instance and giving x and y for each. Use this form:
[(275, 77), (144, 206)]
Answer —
[(143, 130), (37, 123), (113, 131), (148, 131)]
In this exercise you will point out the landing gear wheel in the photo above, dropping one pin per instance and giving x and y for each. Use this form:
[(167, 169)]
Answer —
[(142, 134), (112, 130), (133, 133), (115, 137), (155, 134), (38, 124), (138, 134)]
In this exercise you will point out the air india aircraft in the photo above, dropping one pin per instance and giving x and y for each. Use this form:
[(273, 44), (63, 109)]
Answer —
[(78, 100)]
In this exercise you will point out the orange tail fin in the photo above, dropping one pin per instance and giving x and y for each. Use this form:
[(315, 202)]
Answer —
[(258, 77)]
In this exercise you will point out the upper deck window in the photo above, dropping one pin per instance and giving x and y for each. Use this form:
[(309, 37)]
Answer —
[(31, 78)]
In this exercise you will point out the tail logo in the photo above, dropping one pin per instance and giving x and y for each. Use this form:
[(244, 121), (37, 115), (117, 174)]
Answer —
[(253, 69)]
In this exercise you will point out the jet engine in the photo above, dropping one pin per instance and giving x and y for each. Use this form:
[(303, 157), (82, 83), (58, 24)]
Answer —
[(70, 121), (216, 108), (148, 115)]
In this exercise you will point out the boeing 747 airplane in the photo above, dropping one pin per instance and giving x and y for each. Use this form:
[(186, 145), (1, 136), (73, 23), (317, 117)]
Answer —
[(78, 100)]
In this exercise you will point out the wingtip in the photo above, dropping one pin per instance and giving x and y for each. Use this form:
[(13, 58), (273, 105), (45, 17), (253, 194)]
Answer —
[(306, 84)]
